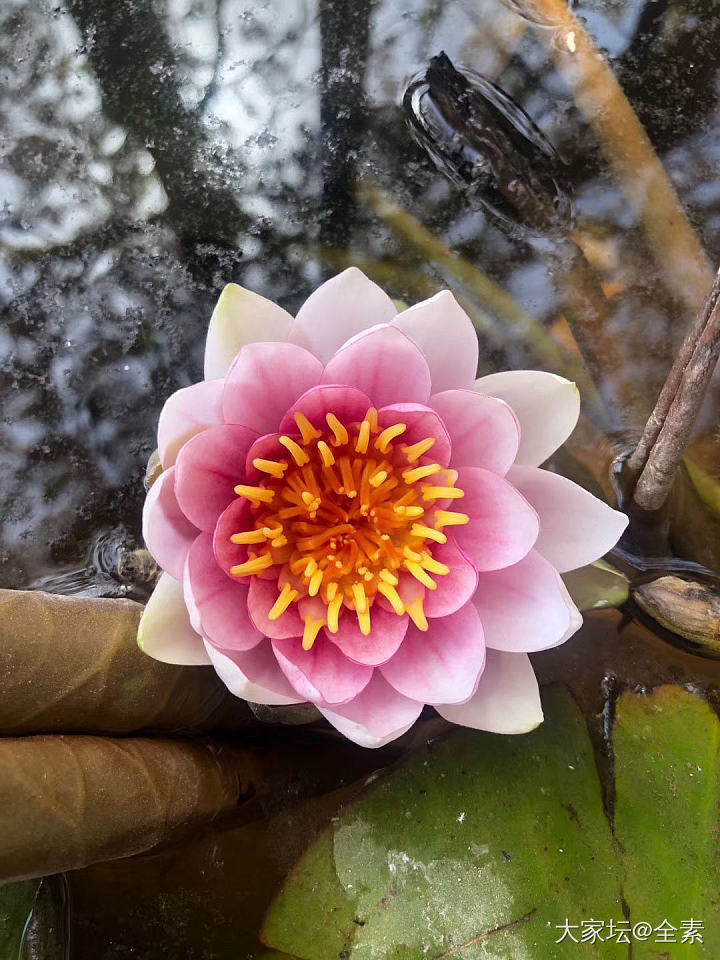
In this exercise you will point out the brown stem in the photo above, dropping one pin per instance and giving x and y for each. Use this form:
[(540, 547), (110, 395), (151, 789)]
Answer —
[(668, 430)]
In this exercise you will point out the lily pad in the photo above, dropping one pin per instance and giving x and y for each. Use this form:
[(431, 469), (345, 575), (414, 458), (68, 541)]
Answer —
[(481, 846)]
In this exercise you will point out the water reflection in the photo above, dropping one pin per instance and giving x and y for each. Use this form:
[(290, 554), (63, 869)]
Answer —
[(153, 153)]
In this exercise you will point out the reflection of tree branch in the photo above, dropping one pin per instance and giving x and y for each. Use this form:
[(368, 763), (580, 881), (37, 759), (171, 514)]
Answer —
[(211, 88), (344, 30), (136, 68)]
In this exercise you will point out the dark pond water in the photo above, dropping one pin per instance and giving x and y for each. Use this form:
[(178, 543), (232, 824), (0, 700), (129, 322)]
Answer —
[(153, 150)]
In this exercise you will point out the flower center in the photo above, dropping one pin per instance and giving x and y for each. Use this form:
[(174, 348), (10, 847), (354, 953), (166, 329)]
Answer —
[(343, 516)]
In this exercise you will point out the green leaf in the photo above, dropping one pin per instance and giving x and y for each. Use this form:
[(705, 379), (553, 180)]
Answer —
[(475, 847), (16, 902), (667, 780), (597, 586)]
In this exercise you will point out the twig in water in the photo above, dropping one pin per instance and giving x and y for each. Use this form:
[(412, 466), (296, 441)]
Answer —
[(668, 430)]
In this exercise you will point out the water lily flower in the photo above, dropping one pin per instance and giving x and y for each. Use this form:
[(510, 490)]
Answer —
[(346, 516)]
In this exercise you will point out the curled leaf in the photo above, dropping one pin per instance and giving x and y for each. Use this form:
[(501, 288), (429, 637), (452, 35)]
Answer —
[(597, 586)]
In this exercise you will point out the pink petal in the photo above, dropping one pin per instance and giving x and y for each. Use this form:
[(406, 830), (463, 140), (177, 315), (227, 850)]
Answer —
[(264, 380), (240, 317), (507, 699), (267, 447), (253, 675), (445, 334), (387, 631), (167, 532), (443, 663), (546, 405), (502, 526), (221, 605), (575, 527), (385, 364), (525, 607), (187, 412), (322, 673), (339, 309), (234, 519), (348, 404), (376, 716), (263, 594), (484, 431), (421, 422), (165, 631), (455, 588), (209, 467)]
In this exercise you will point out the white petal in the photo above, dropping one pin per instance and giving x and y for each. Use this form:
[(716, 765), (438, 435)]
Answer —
[(241, 316), (165, 632), (575, 527), (239, 685), (338, 310), (547, 407), (445, 334), (507, 699)]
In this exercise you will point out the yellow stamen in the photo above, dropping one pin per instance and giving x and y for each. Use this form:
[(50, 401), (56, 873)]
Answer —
[(388, 577), (448, 518), (389, 591), (307, 430), (442, 493), (419, 473), (416, 450), (347, 478), (420, 530), (296, 451), (272, 532), (388, 435), (274, 467), (256, 494), (252, 566), (415, 611), (326, 454), (278, 541), (312, 629), (378, 477), (341, 434), (434, 566), (334, 613), (409, 511), (311, 567), (361, 444), (315, 583), (249, 536), (358, 592), (372, 418), (411, 555), (421, 575), (364, 621), (331, 591), (287, 595)]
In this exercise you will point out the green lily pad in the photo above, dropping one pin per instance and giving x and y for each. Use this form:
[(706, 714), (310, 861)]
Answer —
[(597, 586), (481, 846)]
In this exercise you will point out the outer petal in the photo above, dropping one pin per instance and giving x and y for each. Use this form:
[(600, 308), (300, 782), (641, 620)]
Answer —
[(442, 664), (339, 309), (240, 316), (454, 589), (221, 604), (376, 716), (546, 405), (507, 699), (208, 468), (387, 633), (525, 607), (484, 431), (445, 334), (575, 527), (502, 527), (421, 422), (262, 596), (323, 673), (167, 532), (347, 403), (253, 675), (264, 380), (165, 632), (385, 364), (187, 412)]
